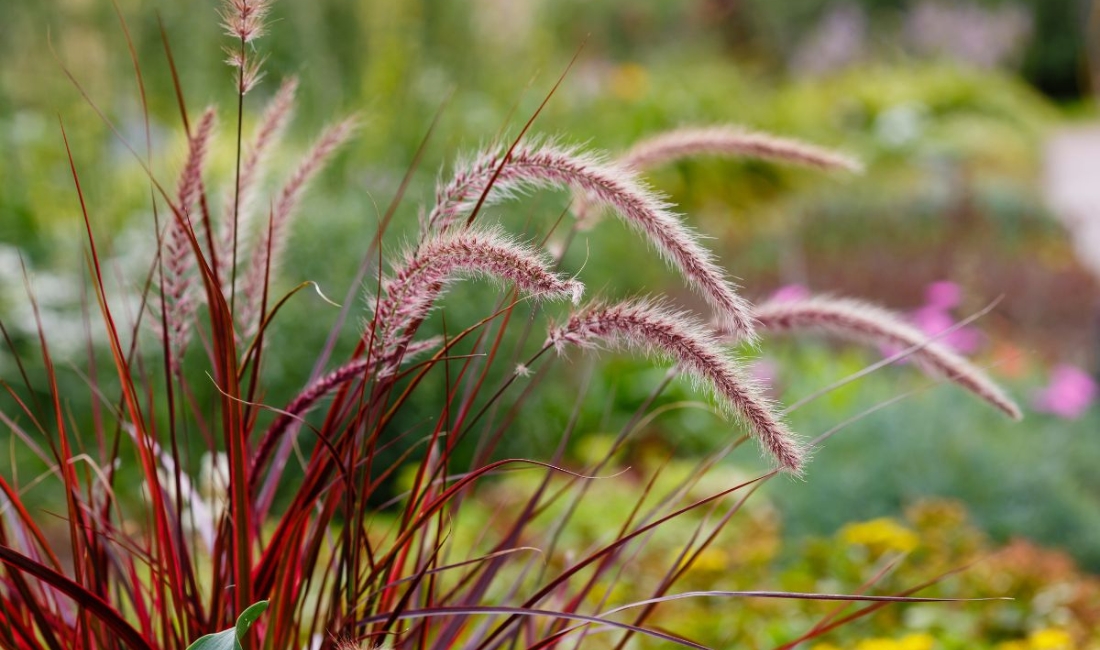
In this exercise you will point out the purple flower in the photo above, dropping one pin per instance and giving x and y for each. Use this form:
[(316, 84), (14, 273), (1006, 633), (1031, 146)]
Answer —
[(1069, 394)]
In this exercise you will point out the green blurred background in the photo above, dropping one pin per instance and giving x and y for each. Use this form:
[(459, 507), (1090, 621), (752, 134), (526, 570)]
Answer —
[(953, 107)]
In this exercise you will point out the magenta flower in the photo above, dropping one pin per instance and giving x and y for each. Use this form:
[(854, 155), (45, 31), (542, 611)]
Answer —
[(934, 317), (932, 320), (789, 293), (1069, 394), (944, 294)]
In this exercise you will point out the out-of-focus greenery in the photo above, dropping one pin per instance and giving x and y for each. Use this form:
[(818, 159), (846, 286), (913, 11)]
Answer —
[(952, 155)]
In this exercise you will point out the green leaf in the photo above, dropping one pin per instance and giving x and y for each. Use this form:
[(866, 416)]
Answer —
[(231, 639)]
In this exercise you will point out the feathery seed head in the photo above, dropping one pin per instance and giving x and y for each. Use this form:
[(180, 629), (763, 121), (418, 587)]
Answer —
[(729, 141), (244, 19), (190, 180), (534, 165), (273, 236), (411, 292), (688, 142), (664, 333), (859, 321)]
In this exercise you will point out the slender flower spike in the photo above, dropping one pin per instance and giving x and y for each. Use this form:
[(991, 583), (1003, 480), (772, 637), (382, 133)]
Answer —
[(244, 21), (531, 166), (673, 335), (179, 257), (859, 321), (409, 295)]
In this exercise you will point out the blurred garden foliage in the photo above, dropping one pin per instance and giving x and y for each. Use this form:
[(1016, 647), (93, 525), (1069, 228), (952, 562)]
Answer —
[(951, 192)]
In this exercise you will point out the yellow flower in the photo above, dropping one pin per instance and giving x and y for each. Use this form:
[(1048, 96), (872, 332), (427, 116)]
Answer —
[(883, 534), (629, 81), (878, 643), (824, 646), (917, 641), (711, 559), (1051, 638)]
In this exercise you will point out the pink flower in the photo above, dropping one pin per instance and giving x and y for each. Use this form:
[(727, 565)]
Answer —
[(944, 294), (935, 317), (932, 320), (789, 293), (1069, 394)]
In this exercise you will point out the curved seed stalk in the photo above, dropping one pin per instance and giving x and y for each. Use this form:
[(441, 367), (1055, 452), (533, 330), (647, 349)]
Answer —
[(725, 141), (859, 321), (180, 297), (410, 294), (733, 141), (275, 231), (531, 166), (668, 334)]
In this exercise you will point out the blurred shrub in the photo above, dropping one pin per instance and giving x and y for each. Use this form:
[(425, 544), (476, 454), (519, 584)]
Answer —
[(1053, 604)]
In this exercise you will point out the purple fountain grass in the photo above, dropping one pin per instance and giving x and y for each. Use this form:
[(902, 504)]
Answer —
[(859, 321), (534, 165), (179, 259), (272, 241), (662, 332), (244, 19), (412, 291)]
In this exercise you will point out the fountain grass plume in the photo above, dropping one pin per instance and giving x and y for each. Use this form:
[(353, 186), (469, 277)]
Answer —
[(307, 532), (859, 321), (722, 140), (536, 165), (410, 293), (180, 297), (674, 335), (245, 21), (733, 141)]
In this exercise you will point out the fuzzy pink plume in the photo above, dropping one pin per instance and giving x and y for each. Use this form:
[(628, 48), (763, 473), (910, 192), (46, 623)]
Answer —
[(724, 141), (238, 205), (531, 166), (275, 230), (669, 334), (733, 141), (410, 293), (178, 253), (859, 321)]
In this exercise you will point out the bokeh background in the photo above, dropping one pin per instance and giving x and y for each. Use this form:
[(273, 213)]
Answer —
[(976, 119)]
